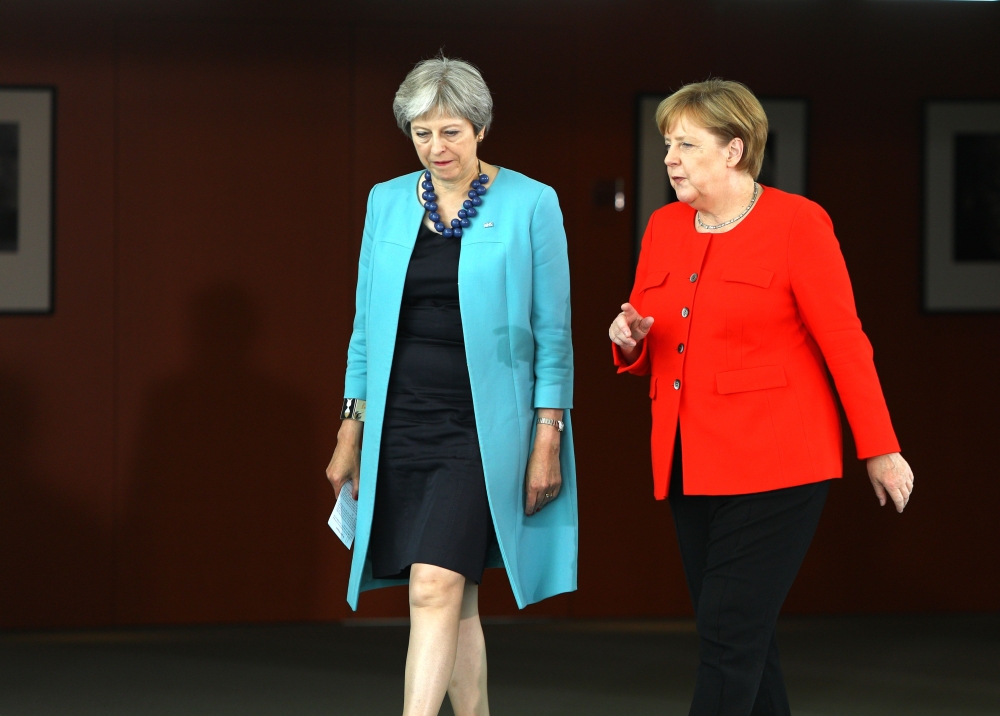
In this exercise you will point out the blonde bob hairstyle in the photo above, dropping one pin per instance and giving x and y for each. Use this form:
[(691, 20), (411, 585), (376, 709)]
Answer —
[(727, 110)]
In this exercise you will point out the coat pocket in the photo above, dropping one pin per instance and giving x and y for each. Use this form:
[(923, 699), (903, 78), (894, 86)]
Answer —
[(748, 274), (740, 381), (654, 278)]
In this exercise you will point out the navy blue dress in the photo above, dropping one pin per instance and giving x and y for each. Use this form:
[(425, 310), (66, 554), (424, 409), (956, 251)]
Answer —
[(431, 505)]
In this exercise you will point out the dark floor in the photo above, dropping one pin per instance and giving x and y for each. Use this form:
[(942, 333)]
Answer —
[(833, 665)]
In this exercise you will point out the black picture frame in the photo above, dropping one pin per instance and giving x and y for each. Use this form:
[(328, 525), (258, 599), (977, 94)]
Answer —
[(961, 221)]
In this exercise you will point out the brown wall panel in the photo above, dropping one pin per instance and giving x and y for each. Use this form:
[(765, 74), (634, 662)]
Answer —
[(165, 432), (56, 388), (233, 232)]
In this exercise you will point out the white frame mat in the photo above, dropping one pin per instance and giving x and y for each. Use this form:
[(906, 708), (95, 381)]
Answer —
[(26, 275)]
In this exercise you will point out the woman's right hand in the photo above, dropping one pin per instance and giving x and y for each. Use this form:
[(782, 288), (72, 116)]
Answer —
[(628, 329), (891, 477), (345, 465)]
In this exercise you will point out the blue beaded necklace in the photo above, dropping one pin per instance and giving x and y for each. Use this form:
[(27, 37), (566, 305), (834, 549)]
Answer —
[(464, 214)]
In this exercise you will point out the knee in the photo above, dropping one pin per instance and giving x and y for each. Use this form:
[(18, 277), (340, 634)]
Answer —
[(436, 588)]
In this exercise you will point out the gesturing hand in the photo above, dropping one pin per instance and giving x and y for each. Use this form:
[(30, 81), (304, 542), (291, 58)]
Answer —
[(629, 328), (891, 475)]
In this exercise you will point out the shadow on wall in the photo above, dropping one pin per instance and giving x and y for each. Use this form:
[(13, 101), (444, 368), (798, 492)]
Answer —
[(52, 551), (224, 517)]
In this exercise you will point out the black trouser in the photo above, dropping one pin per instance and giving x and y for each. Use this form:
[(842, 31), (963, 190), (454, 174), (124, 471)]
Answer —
[(741, 554)]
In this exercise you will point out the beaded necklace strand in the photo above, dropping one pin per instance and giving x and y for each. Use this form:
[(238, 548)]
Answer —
[(467, 211)]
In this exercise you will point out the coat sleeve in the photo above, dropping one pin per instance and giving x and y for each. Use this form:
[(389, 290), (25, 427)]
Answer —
[(640, 366), (356, 380), (550, 305), (822, 290)]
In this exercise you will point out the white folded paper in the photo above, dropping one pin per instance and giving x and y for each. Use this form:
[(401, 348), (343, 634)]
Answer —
[(345, 515)]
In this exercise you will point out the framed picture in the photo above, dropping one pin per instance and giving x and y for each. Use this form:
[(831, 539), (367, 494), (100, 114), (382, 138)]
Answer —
[(961, 206), (785, 156), (27, 155)]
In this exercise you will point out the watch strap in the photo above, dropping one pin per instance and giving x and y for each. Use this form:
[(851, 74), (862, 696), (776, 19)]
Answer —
[(557, 424)]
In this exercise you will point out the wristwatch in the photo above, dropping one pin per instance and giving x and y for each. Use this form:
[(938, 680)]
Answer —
[(557, 424)]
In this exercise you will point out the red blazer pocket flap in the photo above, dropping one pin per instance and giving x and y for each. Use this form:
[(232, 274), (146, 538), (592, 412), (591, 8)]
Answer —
[(654, 277), (740, 381), (652, 387), (748, 274)]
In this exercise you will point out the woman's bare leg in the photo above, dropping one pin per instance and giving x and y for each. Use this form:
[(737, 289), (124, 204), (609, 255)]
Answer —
[(435, 611), (467, 690)]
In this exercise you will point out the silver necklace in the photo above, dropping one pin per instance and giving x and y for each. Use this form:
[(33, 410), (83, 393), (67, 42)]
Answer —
[(753, 200)]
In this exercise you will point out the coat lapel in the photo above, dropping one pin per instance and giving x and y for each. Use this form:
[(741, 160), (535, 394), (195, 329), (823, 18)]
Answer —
[(406, 214), (395, 236)]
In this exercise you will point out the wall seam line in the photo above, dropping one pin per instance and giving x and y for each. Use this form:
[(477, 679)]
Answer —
[(115, 330)]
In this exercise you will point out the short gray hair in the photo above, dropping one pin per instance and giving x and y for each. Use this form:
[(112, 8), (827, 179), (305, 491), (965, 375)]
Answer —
[(451, 86)]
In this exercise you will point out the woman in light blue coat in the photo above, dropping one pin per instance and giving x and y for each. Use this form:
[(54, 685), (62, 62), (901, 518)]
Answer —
[(460, 376)]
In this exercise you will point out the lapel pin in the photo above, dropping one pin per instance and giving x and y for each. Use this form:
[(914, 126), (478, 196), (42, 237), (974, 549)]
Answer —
[(488, 225)]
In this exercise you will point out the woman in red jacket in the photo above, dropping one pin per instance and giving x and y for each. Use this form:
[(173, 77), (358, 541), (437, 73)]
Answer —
[(741, 305)]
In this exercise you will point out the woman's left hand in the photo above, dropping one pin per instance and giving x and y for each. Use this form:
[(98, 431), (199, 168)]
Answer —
[(543, 478), (891, 476)]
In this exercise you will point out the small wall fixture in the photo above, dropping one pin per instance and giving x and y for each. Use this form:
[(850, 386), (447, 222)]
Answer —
[(610, 192)]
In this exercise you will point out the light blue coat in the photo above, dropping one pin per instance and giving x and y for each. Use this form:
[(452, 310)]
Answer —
[(513, 286)]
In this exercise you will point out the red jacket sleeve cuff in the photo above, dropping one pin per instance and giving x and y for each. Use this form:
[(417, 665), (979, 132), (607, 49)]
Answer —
[(639, 367), (873, 446)]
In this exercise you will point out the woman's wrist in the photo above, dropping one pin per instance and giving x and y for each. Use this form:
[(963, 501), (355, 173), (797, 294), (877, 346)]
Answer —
[(547, 433), (631, 353), (547, 439), (350, 432)]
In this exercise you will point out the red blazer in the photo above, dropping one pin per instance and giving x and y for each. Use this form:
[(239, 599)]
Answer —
[(747, 324)]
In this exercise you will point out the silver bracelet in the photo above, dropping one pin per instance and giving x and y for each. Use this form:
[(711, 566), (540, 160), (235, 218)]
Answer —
[(557, 424), (354, 409)]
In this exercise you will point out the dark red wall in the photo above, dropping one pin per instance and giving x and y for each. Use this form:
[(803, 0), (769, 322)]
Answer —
[(163, 435)]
